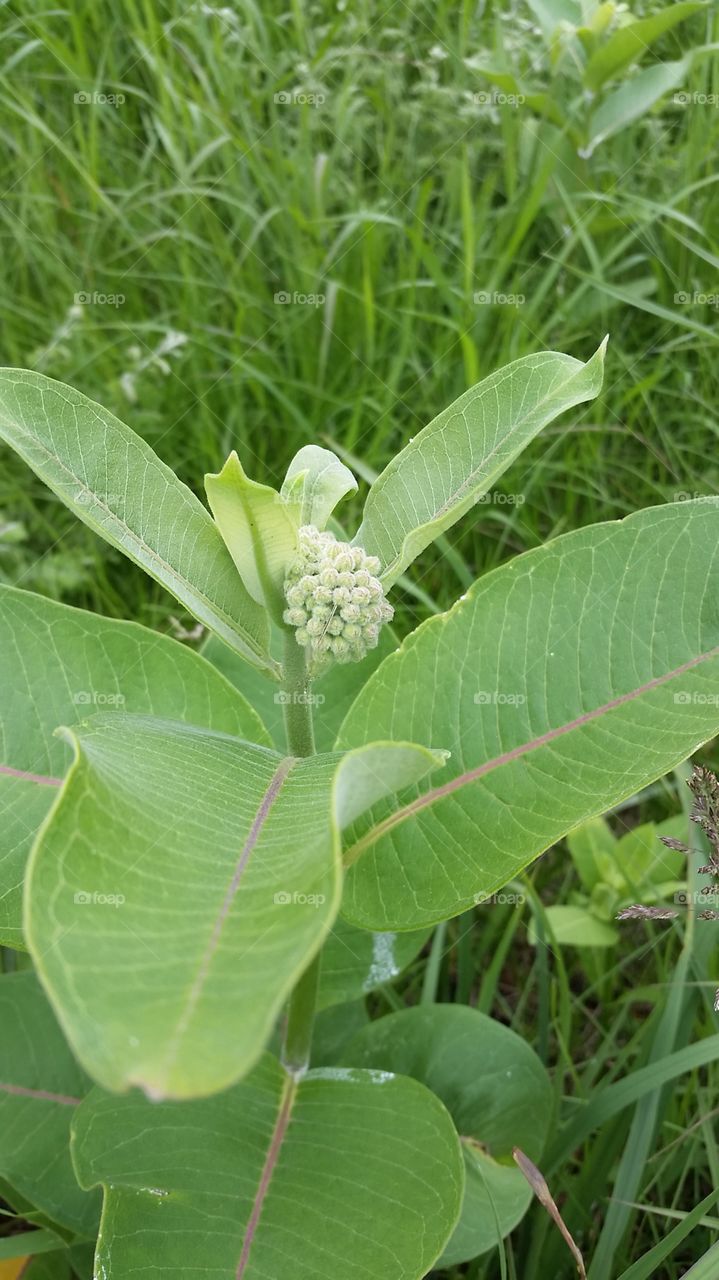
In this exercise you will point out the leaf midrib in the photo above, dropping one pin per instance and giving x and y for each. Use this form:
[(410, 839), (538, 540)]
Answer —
[(466, 484), (287, 1100), (154, 555), (194, 993), (436, 794)]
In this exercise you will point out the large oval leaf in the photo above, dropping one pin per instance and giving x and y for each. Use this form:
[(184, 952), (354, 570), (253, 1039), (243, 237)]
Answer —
[(440, 474), (497, 1092), (181, 885), (57, 665), (41, 1085), (115, 483), (277, 1179), (563, 683)]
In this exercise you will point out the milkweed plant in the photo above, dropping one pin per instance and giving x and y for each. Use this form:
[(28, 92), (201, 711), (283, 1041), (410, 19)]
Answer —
[(205, 854)]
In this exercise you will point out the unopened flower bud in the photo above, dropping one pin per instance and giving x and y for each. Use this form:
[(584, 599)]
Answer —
[(335, 602)]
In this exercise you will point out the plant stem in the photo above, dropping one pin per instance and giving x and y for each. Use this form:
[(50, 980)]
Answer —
[(434, 965), (300, 1020), (298, 705), (300, 742)]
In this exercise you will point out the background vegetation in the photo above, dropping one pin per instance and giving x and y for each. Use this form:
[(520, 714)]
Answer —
[(172, 173)]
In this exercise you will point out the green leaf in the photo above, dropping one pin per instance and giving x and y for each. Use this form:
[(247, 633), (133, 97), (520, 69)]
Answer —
[(59, 664), (41, 1087), (260, 531), (333, 692), (497, 1092), (592, 846), (632, 41), (355, 961), (577, 927), (117, 485), (293, 1177), (552, 13), (562, 684), (207, 874), (633, 99), (316, 480), (440, 474)]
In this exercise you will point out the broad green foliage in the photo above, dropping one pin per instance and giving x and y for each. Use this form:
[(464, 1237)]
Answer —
[(614, 873), (259, 529), (440, 474), (306, 1171), (181, 900), (316, 481), (60, 665), (41, 1086), (563, 683), (497, 1093), (632, 41), (115, 483), (168, 967), (595, 91)]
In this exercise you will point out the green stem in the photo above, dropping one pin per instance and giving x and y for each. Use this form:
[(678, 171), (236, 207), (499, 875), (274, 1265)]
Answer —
[(296, 687), (434, 965), (300, 1020), (300, 742)]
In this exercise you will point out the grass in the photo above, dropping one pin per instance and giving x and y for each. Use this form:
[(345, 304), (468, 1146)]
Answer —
[(395, 196)]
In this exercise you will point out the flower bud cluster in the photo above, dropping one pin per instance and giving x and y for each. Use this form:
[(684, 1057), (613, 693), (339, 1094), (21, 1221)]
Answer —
[(335, 601)]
